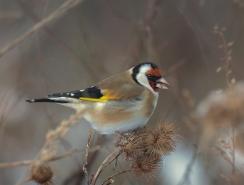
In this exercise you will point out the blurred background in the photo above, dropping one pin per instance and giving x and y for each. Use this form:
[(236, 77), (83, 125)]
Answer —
[(198, 43)]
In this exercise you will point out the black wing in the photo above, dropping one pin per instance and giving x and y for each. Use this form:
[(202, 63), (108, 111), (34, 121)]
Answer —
[(90, 92)]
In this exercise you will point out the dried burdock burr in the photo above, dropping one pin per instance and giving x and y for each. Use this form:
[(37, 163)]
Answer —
[(132, 144), (145, 164), (160, 141), (41, 173), (145, 147)]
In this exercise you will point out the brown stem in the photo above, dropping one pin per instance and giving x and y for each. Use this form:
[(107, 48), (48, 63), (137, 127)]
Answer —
[(59, 12), (16, 164), (114, 175), (84, 167), (233, 150), (110, 158)]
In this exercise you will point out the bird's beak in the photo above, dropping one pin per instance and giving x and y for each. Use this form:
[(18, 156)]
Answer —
[(162, 83)]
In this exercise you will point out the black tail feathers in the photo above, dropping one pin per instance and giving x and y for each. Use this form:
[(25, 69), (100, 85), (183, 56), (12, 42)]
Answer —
[(49, 100)]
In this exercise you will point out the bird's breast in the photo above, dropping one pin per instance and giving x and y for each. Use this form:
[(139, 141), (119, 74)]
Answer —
[(122, 115)]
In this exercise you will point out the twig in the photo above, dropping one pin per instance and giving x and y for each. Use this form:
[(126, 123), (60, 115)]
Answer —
[(61, 130), (16, 164), (233, 153), (64, 155), (84, 167), (109, 179), (56, 134), (227, 55), (110, 158), (144, 36), (147, 27), (189, 167), (78, 175), (59, 12), (28, 162), (52, 35)]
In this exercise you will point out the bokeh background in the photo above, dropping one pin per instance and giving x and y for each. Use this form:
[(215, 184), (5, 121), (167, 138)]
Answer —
[(99, 38)]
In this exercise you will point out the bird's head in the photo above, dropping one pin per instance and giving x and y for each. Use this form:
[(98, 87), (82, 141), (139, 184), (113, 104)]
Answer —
[(149, 76)]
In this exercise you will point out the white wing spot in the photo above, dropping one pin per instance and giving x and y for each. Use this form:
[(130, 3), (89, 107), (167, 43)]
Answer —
[(72, 94), (99, 106)]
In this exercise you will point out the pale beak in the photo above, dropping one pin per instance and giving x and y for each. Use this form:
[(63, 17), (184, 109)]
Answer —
[(162, 84)]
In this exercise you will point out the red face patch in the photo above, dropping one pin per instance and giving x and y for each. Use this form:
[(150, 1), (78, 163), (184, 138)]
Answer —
[(153, 75), (154, 72)]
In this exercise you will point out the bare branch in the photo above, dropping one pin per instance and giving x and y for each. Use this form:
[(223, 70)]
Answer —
[(16, 164), (188, 170), (28, 162), (109, 179), (110, 158), (58, 13), (84, 167)]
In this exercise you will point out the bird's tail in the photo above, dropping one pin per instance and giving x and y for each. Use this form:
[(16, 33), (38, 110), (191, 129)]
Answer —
[(50, 100), (67, 99)]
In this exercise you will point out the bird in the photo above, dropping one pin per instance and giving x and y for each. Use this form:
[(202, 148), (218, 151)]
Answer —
[(120, 103)]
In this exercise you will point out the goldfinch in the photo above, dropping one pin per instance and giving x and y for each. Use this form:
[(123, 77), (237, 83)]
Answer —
[(119, 103)]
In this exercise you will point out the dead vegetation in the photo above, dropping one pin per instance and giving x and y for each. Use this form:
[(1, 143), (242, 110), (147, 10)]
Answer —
[(205, 105)]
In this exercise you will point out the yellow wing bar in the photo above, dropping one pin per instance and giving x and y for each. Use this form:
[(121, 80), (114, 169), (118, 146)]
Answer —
[(106, 97), (95, 99)]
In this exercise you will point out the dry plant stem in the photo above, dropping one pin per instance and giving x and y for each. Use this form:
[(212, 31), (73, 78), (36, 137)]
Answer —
[(108, 160), (148, 22), (59, 12), (61, 130), (77, 176), (224, 154), (107, 181), (16, 164), (227, 58), (233, 150), (84, 167), (28, 162), (56, 134), (185, 179), (66, 154), (52, 35), (144, 41)]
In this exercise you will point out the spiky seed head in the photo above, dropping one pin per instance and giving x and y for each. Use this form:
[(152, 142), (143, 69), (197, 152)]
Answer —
[(41, 173)]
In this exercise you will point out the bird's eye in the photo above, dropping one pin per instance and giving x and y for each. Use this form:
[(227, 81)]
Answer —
[(153, 78)]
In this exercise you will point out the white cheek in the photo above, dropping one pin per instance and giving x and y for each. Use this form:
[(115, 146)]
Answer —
[(142, 79)]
